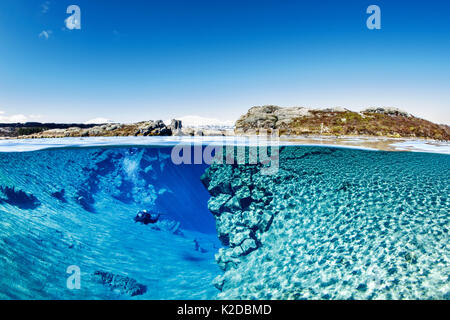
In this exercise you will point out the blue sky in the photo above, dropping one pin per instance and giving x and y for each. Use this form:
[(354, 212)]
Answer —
[(138, 60)]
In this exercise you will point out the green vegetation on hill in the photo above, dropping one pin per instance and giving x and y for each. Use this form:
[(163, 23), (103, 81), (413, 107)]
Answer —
[(387, 122), (28, 131), (367, 123)]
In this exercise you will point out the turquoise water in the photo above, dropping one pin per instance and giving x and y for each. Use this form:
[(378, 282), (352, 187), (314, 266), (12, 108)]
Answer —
[(345, 224), (40, 237), (336, 224)]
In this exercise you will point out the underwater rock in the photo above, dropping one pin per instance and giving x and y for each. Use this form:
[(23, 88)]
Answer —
[(234, 202), (218, 182), (19, 198), (227, 259), (85, 200), (122, 284), (243, 196), (225, 223), (60, 195), (168, 225), (217, 204), (219, 282), (410, 257), (344, 186)]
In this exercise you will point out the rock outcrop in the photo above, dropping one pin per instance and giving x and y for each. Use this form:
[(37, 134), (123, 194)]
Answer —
[(388, 111), (144, 128), (295, 121), (122, 284), (269, 117), (175, 125), (240, 201)]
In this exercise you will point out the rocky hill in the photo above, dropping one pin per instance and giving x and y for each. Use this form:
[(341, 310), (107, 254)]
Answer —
[(389, 122), (293, 121)]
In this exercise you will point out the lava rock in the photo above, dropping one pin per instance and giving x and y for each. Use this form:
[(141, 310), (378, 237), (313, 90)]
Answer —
[(19, 198), (60, 195), (124, 285)]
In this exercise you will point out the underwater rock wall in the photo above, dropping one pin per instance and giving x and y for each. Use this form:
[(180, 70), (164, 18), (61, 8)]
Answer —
[(333, 224)]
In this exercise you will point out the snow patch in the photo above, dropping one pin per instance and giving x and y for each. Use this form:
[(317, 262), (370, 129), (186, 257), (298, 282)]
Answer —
[(193, 121), (99, 121)]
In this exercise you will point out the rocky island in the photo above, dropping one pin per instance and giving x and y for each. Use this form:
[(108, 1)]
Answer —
[(377, 122), (143, 128), (286, 122)]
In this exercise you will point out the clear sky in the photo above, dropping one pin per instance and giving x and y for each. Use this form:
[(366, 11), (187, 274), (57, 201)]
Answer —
[(137, 60)]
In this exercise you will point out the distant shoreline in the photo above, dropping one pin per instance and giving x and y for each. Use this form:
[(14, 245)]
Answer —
[(290, 122)]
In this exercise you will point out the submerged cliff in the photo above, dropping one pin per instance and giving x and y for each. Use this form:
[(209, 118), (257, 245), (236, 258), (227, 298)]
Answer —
[(390, 122), (332, 223)]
